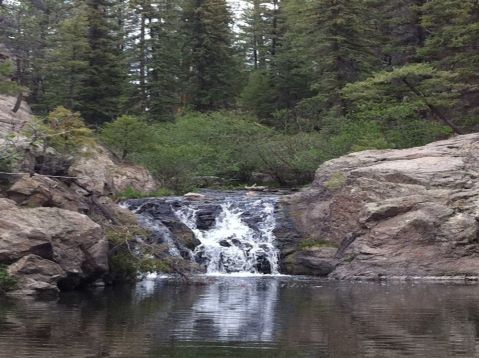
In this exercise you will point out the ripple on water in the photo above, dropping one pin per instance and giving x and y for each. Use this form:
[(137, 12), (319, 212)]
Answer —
[(248, 317)]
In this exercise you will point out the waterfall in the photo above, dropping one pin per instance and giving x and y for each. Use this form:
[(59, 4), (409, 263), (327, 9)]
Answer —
[(234, 231)]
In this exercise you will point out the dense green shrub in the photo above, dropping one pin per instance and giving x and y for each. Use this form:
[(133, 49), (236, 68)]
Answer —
[(217, 144), (7, 282), (7, 86), (230, 146), (235, 146), (131, 193), (127, 136), (65, 131)]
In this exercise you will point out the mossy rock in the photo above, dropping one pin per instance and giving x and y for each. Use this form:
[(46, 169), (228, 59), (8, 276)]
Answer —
[(7, 282), (315, 243), (336, 181)]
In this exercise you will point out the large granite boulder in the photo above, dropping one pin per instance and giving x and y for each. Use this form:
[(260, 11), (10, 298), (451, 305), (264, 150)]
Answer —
[(390, 213), (99, 173), (73, 245), (36, 276), (36, 191)]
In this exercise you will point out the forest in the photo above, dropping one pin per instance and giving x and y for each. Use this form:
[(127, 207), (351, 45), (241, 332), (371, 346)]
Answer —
[(249, 91)]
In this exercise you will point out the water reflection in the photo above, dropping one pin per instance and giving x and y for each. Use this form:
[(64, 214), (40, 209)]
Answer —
[(248, 317), (223, 312)]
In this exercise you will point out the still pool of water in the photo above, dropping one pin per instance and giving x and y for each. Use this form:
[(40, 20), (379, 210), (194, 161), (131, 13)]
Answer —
[(248, 317)]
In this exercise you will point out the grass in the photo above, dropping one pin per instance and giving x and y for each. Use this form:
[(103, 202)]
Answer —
[(7, 282), (336, 181), (314, 243), (132, 193)]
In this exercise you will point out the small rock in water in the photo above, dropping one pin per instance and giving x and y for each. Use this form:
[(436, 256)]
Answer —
[(254, 187), (263, 265), (194, 196), (224, 243)]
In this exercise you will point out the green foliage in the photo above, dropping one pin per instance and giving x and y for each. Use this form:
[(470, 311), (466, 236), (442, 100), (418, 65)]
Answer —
[(7, 282), (165, 75), (336, 181), (9, 154), (67, 62), (125, 263), (216, 144), (229, 146), (131, 256), (127, 136), (405, 95), (7, 86), (211, 66), (451, 44), (131, 193), (65, 131), (290, 159), (337, 39), (104, 80), (258, 96)]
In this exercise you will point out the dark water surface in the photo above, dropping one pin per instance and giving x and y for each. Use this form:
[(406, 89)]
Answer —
[(248, 317)]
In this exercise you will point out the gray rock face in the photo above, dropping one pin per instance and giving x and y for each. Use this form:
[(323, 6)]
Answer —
[(37, 276), (410, 212), (38, 191), (98, 173), (10, 121), (68, 247)]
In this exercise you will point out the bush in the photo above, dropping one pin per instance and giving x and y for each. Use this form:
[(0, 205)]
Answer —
[(7, 86), (216, 144), (65, 131), (232, 147), (7, 282), (127, 136), (131, 193), (290, 159), (259, 95)]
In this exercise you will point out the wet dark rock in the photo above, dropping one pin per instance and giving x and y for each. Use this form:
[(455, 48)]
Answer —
[(311, 262), (263, 265), (225, 243), (237, 242), (206, 216)]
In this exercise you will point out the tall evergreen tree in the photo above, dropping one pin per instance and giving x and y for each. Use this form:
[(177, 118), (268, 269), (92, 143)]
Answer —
[(336, 39), (166, 78), (67, 60), (400, 22), (255, 33), (209, 57), (452, 44), (105, 78)]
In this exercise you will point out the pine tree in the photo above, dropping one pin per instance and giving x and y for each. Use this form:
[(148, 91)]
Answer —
[(104, 82), (67, 61), (336, 40), (452, 44), (209, 57), (278, 88), (403, 34), (255, 34), (166, 79), (137, 20)]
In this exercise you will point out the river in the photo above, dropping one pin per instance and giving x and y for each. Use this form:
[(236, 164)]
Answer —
[(269, 316)]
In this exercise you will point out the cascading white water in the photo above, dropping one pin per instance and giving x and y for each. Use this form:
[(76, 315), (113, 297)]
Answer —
[(232, 245), (234, 232)]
